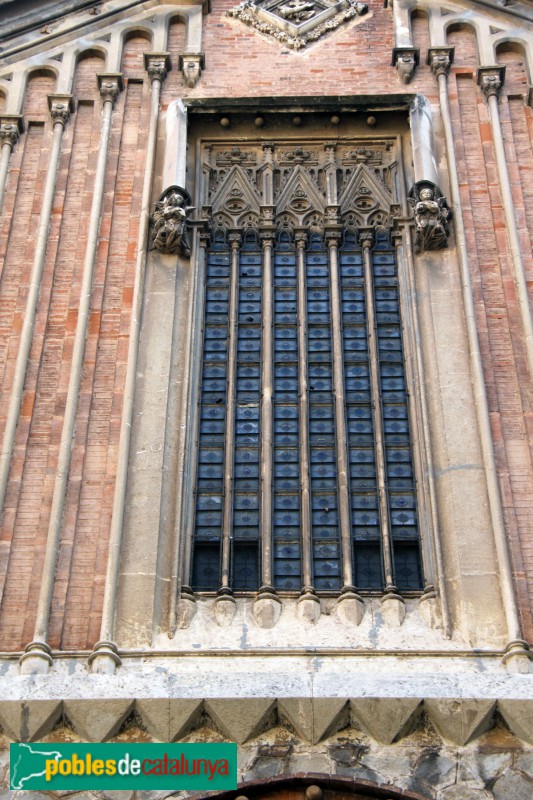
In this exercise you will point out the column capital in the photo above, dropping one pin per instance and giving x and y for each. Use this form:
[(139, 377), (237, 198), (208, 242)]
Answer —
[(267, 237), (110, 85), (491, 79), (157, 65), (61, 106), (300, 239), (235, 240), (440, 59), (332, 236), (405, 59), (11, 126), (366, 238)]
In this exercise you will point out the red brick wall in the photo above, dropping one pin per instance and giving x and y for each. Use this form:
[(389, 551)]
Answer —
[(239, 63)]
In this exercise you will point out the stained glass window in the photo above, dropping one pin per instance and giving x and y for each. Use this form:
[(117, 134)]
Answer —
[(303, 418)]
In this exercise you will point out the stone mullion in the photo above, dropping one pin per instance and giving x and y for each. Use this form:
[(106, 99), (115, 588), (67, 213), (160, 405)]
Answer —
[(377, 412), (267, 390), (229, 456), (343, 481), (303, 415)]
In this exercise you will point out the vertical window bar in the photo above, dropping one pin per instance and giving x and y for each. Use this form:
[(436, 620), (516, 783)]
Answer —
[(332, 238), (305, 488), (366, 241), (266, 413), (229, 456)]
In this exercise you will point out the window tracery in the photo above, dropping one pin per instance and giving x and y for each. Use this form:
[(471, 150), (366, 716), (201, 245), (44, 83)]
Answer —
[(305, 478)]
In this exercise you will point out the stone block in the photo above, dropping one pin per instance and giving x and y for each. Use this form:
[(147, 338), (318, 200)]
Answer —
[(240, 720), (97, 720), (26, 722), (459, 721), (384, 718)]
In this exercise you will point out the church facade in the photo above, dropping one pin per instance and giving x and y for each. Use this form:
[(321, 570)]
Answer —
[(267, 377)]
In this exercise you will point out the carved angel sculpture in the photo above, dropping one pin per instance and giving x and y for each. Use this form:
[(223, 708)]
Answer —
[(431, 217), (169, 221)]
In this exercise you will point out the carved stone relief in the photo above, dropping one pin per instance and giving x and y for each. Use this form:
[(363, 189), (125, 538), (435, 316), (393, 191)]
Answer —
[(432, 216), (297, 23), (169, 222), (304, 185)]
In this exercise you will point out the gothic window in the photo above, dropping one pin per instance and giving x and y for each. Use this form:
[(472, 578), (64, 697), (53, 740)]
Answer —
[(304, 470)]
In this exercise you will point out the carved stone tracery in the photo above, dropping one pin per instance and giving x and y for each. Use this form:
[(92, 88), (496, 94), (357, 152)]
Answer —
[(303, 185), (297, 23)]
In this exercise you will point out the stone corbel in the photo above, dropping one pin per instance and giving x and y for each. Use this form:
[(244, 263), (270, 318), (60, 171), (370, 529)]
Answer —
[(225, 607), (405, 59), (61, 106), (440, 59), (11, 126), (392, 607), (191, 65), (308, 606), (491, 79), (267, 607), (350, 606), (432, 216), (185, 608), (169, 222)]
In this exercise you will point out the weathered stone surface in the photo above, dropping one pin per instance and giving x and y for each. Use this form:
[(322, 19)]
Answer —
[(518, 717), (393, 610), (313, 719), (267, 610), (97, 721), (464, 793), (308, 609), (513, 786), (241, 720), (29, 721), (350, 609), (460, 720), (184, 715), (224, 610), (185, 611), (385, 719)]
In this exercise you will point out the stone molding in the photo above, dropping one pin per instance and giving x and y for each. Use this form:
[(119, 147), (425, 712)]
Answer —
[(456, 720)]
